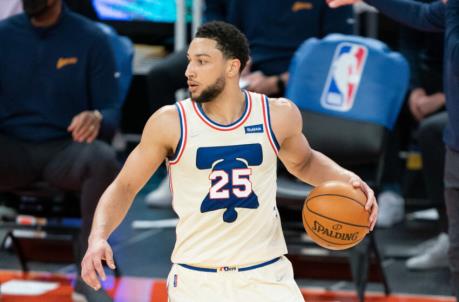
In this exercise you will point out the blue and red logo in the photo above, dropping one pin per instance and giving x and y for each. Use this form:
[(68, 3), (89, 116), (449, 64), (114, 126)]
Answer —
[(344, 76)]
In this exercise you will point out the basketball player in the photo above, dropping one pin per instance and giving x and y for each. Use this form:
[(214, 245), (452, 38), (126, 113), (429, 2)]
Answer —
[(221, 146)]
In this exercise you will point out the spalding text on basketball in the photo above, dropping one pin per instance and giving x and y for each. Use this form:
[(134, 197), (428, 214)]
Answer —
[(318, 228)]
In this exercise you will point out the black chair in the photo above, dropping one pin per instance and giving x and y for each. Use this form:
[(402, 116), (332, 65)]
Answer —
[(350, 91), (46, 225)]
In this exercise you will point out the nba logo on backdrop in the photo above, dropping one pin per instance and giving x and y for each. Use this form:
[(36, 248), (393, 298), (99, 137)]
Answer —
[(344, 76)]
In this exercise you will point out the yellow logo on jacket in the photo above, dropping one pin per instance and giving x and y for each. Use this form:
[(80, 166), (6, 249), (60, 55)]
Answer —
[(62, 62), (300, 5)]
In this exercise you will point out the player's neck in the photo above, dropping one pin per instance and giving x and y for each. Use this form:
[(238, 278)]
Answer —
[(227, 108)]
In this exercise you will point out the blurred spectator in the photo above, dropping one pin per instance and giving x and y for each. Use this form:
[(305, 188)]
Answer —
[(10, 8), (439, 16), (427, 106), (434, 252), (424, 52), (58, 96), (274, 35), (427, 120)]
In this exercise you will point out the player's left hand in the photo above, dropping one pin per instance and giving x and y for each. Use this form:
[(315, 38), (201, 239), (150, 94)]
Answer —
[(85, 126), (371, 205), (260, 83)]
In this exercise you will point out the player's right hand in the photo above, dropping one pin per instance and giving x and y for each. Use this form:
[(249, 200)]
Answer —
[(338, 3), (91, 266)]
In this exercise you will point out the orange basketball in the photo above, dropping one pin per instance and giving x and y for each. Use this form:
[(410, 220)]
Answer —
[(334, 215)]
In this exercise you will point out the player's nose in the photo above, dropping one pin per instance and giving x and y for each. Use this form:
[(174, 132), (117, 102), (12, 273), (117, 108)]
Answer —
[(189, 72)]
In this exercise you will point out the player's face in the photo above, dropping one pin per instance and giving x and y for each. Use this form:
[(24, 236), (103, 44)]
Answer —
[(205, 71)]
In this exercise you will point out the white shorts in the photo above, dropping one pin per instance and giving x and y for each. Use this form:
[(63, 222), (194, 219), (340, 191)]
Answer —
[(270, 283)]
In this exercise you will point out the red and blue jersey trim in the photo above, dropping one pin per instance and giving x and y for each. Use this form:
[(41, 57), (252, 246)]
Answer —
[(267, 120), (214, 125), (183, 135)]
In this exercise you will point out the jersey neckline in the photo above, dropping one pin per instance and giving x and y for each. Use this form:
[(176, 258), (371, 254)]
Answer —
[(234, 125)]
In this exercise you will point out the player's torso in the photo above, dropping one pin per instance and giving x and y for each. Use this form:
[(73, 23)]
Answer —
[(223, 180)]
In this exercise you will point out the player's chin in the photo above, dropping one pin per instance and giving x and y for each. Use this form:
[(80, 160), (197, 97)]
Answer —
[(194, 95)]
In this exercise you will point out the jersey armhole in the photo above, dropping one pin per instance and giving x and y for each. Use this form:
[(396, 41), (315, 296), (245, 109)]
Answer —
[(183, 135), (267, 121)]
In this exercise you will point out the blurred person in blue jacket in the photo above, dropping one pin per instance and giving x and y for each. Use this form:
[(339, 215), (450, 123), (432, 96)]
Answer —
[(438, 16), (58, 98)]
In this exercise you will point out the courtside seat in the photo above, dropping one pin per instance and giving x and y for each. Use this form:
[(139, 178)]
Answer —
[(46, 225), (350, 91)]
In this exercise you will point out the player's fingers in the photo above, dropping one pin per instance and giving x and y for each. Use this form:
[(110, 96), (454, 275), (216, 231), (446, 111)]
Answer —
[(373, 216), (371, 200), (88, 274), (109, 258), (99, 269), (372, 226), (357, 184)]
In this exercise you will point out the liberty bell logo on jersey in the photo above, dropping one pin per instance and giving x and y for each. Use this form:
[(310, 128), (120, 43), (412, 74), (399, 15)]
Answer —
[(344, 76), (230, 183)]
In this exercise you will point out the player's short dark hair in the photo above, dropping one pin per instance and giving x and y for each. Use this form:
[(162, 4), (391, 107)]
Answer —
[(230, 41)]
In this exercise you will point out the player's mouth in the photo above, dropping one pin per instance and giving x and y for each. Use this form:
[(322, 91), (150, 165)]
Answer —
[(192, 86)]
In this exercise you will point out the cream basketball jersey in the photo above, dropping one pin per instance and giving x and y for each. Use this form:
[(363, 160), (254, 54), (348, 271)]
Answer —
[(223, 181)]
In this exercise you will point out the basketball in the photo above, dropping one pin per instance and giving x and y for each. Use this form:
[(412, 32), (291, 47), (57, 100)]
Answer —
[(334, 215)]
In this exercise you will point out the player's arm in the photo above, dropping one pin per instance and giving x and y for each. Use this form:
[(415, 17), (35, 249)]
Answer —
[(155, 145), (422, 16), (305, 163), (298, 157)]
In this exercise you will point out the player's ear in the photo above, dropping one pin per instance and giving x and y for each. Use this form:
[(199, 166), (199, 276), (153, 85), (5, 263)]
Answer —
[(233, 67)]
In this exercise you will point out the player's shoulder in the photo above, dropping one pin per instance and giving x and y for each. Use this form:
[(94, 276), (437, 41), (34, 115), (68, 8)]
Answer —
[(282, 107), (163, 127), (286, 118), (164, 122), (166, 115)]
